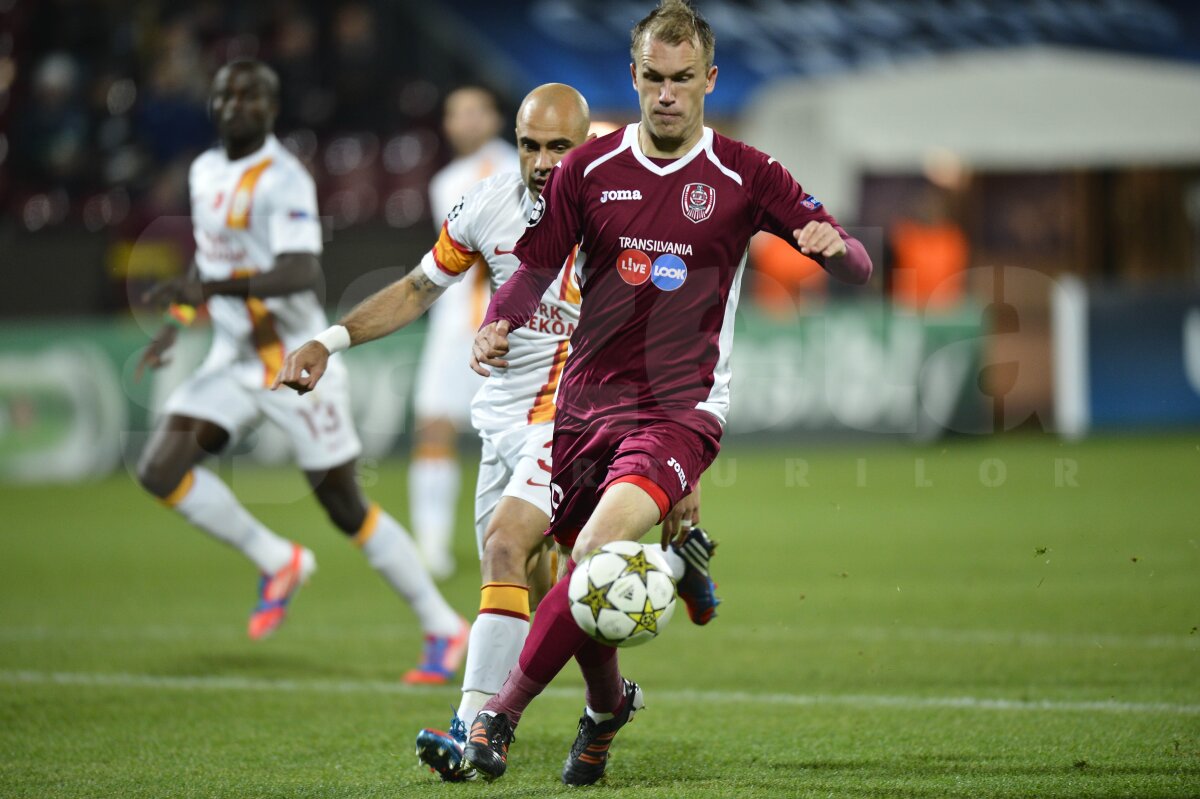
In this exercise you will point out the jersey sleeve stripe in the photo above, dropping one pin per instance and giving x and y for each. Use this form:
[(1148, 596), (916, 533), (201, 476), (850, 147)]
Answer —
[(450, 256), (712, 156), (626, 143), (450, 239)]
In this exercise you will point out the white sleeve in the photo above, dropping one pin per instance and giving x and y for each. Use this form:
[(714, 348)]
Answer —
[(433, 272), (456, 248), (294, 224)]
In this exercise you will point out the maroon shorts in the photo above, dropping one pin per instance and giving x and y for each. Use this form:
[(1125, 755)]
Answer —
[(664, 457)]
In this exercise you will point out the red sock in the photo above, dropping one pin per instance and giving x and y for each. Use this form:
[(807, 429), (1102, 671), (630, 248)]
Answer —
[(602, 674), (553, 640)]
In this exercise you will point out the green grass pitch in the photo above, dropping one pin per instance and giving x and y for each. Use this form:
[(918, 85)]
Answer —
[(1000, 618)]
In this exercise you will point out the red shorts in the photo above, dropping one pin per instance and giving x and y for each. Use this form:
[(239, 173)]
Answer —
[(663, 457)]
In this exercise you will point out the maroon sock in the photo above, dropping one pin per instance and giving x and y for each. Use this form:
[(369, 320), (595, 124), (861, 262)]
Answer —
[(515, 695), (602, 675), (553, 640)]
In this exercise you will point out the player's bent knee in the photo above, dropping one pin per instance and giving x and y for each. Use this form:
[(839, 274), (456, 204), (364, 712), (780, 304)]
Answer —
[(158, 478), (504, 557), (588, 541)]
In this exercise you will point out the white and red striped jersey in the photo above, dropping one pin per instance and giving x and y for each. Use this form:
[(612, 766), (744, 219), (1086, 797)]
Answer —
[(486, 223), (244, 213)]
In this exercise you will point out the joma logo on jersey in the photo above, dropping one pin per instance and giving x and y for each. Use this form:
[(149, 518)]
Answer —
[(620, 194), (699, 200), (674, 464)]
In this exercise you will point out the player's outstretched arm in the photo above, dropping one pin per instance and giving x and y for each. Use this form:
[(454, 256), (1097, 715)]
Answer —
[(384, 312), (491, 343), (391, 308), (292, 272)]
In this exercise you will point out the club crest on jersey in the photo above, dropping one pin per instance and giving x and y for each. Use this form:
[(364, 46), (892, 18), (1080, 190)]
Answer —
[(699, 200), (539, 209)]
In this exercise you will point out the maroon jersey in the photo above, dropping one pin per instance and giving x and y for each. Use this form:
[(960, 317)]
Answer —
[(662, 249)]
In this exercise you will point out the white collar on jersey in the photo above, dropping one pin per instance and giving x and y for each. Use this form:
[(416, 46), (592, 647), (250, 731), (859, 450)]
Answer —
[(630, 140)]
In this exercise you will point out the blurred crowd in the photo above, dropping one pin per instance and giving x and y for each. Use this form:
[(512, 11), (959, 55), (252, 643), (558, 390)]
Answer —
[(103, 105)]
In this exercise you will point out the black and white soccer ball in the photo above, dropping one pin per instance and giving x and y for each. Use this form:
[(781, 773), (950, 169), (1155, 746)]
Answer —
[(622, 594)]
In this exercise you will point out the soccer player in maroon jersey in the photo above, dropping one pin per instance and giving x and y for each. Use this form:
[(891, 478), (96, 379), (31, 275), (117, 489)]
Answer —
[(662, 211)]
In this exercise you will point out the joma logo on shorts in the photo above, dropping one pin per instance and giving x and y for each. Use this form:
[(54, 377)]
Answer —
[(674, 464), (620, 194)]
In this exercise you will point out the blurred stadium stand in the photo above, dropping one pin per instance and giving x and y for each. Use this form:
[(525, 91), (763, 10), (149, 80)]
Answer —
[(104, 106)]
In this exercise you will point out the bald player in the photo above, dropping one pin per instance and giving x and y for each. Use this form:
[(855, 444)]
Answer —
[(471, 122), (514, 411)]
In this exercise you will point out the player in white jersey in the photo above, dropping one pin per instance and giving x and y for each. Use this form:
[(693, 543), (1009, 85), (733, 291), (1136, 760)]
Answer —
[(514, 410), (471, 123), (258, 240)]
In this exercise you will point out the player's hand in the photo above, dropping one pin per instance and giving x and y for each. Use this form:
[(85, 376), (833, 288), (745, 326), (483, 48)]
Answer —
[(183, 290), (303, 367), (491, 343), (155, 354), (820, 238), (682, 518)]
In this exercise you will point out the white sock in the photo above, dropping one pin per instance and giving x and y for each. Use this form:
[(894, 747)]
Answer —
[(598, 717), (677, 564), (493, 651), (432, 496), (472, 703), (390, 551), (211, 506)]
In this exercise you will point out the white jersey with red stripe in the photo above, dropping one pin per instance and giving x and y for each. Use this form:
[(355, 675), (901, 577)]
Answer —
[(245, 212), (486, 223)]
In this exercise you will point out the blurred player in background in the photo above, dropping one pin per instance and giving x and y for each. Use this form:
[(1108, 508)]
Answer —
[(443, 396), (664, 210), (513, 412), (258, 242)]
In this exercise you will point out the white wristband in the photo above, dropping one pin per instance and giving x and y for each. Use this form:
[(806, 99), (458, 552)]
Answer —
[(335, 339)]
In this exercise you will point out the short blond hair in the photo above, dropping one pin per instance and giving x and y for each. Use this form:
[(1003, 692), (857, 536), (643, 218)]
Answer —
[(674, 22)]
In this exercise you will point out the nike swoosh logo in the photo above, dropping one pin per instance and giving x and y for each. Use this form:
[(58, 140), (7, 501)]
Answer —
[(499, 251), (537, 485)]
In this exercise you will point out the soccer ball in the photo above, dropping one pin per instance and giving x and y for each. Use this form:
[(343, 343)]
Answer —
[(622, 594)]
